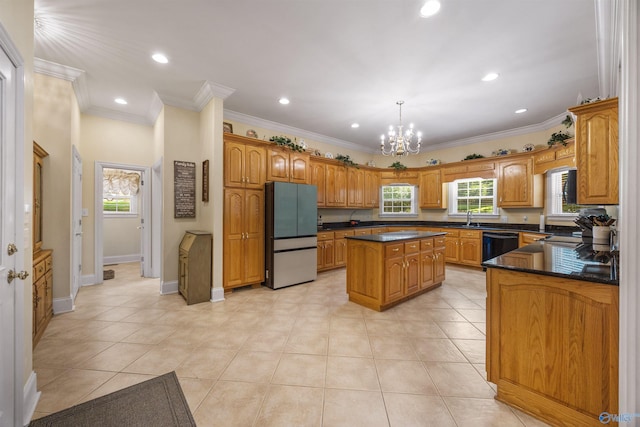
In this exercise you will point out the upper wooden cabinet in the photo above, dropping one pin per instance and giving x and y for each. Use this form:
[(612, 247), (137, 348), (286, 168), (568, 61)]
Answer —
[(480, 168), (245, 165), (517, 186), (288, 166), (597, 152), (371, 189), (318, 178), (432, 195), (336, 186), (555, 157), (355, 187), (409, 176)]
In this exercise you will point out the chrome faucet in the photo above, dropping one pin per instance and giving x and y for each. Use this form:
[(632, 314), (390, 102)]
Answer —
[(469, 215)]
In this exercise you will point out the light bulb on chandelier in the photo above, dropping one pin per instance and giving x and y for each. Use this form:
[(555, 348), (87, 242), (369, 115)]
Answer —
[(399, 143)]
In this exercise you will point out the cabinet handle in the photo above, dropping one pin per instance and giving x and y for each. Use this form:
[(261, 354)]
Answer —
[(395, 249)]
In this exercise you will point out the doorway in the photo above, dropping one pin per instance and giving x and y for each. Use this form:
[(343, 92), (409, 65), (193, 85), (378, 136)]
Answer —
[(123, 195)]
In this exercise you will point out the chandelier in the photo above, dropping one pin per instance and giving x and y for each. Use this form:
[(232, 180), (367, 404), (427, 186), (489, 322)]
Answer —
[(399, 143)]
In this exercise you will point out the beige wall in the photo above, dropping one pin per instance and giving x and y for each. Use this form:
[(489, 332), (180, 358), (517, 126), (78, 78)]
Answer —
[(112, 141), (121, 236)]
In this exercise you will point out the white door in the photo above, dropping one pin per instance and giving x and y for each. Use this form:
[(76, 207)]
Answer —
[(76, 238), (11, 187), (142, 225)]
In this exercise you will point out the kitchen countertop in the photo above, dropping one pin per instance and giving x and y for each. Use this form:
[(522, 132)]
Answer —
[(396, 236), (562, 257)]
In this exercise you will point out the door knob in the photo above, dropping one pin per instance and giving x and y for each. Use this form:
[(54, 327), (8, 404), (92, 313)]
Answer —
[(12, 249), (13, 275)]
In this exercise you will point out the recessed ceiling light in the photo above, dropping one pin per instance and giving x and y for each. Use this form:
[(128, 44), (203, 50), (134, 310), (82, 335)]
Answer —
[(355, 125), (160, 58), (490, 77), (283, 101), (520, 111), (121, 101), (430, 8)]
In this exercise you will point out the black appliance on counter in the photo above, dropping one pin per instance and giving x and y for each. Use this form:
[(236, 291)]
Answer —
[(495, 244)]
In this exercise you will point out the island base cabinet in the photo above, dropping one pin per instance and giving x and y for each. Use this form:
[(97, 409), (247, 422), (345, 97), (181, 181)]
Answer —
[(552, 346)]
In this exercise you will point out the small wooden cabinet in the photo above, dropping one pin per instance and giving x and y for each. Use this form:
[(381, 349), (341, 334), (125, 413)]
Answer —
[(194, 278), (245, 165), (318, 178), (288, 166), (355, 187), (326, 252), (597, 152), (336, 186), (371, 189), (340, 247), (432, 194), (463, 246), (517, 185)]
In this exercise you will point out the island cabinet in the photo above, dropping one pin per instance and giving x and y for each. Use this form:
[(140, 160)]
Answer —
[(517, 185), (245, 165), (336, 186), (597, 152), (386, 269), (432, 194), (288, 166)]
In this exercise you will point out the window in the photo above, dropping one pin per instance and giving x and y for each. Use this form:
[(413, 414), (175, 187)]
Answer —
[(120, 192), (474, 195), (556, 202), (398, 200)]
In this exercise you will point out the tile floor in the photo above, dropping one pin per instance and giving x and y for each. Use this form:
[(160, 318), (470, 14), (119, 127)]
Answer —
[(299, 356)]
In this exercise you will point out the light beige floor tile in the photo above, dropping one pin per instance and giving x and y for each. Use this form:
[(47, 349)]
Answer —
[(528, 420), (116, 332), (312, 323), (445, 315), (307, 343), (116, 358), (349, 310), (67, 390), (205, 363), (145, 315), (414, 410), (389, 347), (159, 360), (342, 344), (481, 326), (481, 368), (152, 334), (188, 337), (437, 350), (195, 390), (404, 376), (225, 338), (115, 383), (301, 370), (473, 350), (473, 315), (352, 373), (67, 354), (353, 408), (231, 404), (422, 329), (389, 327), (464, 303), (116, 314), (351, 325), (291, 406), (461, 330), (45, 375), (458, 380), (252, 366), (266, 341), (481, 412)]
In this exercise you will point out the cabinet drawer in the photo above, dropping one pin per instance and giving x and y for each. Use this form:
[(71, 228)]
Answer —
[(325, 235), (426, 244), (379, 230), (412, 247), (38, 270), (438, 242), (394, 250), (342, 234), (451, 232), (471, 234), (48, 263), (362, 231)]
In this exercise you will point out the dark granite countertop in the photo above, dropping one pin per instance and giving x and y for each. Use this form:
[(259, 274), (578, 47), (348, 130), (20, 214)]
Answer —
[(395, 236), (562, 257)]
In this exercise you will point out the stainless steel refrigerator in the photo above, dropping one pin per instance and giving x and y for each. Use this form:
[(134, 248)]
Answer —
[(291, 229)]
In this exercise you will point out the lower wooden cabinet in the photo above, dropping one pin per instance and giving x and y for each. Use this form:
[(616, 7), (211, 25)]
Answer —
[(340, 247), (463, 246), (42, 292), (326, 252)]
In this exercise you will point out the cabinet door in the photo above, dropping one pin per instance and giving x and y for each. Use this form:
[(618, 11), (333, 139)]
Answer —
[(300, 171), (431, 189), (371, 189), (234, 164), (394, 279), (39, 304), (470, 251), (329, 254), (318, 177), (412, 273), (340, 252), (452, 249), (336, 186), (355, 187), (277, 165), (48, 294), (427, 260), (253, 251), (320, 256), (255, 166), (233, 259), (515, 183), (438, 265)]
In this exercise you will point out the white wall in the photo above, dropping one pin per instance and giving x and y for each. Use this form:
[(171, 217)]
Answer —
[(121, 238)]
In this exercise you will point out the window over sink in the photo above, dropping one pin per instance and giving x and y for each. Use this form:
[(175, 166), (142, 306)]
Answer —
[(475, 195)]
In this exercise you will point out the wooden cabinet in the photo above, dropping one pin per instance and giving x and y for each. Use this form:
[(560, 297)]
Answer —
[(432, 195), (463, 246), (380, 275), (552, 346), (288, 166), (452, 245), (597, 152), (243, 237), (42, 292), (480, 168), (439, 260), (318, 178), (409, 176), (340, 247), (526, 238), (336, 186), (355, 187), (517, 186), (371, 189), (245, 165), (194, 278), (326, 252), (555, 157)]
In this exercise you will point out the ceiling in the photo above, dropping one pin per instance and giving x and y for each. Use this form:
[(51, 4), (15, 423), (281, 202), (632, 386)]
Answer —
[(338, 61)]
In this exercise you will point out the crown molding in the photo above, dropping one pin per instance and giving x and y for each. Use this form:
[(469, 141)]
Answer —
[(210, 90), (154, 108), (117, 115), (267, 124), (54, 69)]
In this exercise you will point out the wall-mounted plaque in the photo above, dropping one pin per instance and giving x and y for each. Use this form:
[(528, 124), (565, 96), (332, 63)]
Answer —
[(205, 181), (184, 189)]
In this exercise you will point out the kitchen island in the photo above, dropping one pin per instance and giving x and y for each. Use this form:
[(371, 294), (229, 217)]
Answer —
[(552, 331), (386, 269)]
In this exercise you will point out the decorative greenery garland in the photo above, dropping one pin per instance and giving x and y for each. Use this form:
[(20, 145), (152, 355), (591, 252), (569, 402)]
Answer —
[(398, 166), (346, 159), (286, 142)]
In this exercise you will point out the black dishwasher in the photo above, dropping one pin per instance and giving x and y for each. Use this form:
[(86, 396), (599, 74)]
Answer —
[(495, 244)]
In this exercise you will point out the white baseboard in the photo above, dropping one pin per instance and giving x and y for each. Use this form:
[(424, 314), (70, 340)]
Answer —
[(121, 259), (30, 397), (169, 287), (88, 280), (217, 294), (63, 305)]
